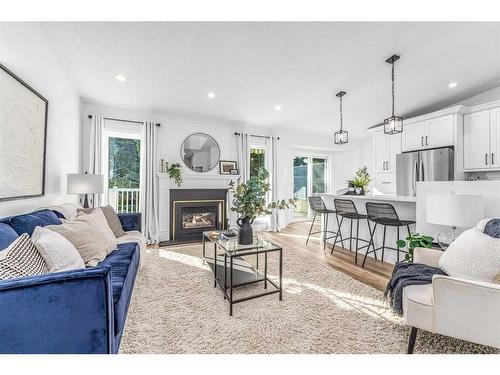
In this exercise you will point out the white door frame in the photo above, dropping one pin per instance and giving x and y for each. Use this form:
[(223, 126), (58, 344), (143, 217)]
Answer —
[(310, 156)]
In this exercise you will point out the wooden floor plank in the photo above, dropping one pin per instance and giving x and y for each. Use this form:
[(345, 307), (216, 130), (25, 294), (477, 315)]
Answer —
[(375, 273)]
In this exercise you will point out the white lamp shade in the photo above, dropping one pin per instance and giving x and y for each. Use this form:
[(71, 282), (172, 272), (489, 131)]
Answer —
[(80, 183), (454, 209)]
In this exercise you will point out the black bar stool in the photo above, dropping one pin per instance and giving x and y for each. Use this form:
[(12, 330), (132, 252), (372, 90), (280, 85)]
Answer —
[(318, 206), (384, 214), (347, 210)]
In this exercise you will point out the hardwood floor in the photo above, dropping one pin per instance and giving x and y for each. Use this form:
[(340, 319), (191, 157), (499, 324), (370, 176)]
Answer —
[(375, 273)]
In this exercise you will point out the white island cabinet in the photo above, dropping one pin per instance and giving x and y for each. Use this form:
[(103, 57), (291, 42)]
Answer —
[(405, 208)]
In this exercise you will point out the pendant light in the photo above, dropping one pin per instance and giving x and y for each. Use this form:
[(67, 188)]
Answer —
[(342, 136), (393, 124)]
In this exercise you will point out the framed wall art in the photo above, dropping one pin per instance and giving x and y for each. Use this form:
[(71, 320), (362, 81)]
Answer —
[(23, 138)]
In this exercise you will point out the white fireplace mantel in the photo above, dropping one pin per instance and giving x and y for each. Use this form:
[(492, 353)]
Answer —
[(198, 181), (190, 181)]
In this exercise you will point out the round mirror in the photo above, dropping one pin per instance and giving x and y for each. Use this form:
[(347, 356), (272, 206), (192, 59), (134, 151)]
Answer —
[(200, 152)]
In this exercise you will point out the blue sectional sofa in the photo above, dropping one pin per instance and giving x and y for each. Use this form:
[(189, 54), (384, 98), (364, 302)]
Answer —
[(79, 311)]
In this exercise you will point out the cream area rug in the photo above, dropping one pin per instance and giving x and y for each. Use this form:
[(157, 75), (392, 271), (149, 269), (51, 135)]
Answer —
[(176, 309)]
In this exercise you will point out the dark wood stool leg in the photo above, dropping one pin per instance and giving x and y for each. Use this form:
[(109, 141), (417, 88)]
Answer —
[(338, 234), (325, 231), (383, 243), (398, 245), (350, 238), (411, 340), (311, 228), (357, 239)]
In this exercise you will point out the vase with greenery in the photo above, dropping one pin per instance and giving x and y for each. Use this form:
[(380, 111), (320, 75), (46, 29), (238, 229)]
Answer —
[(249, 201), (174, 172), (412, 241), (360, 181)]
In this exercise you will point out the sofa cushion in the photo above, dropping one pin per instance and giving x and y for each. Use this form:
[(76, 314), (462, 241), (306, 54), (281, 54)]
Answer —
[(7, 235), (124, 264), (21, 259), (92, 238), (111, 217), (28, 222), (474, 255), (59, 254)]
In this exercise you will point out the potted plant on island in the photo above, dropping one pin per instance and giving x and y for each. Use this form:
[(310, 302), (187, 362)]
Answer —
[(249, 201), (360, 181)]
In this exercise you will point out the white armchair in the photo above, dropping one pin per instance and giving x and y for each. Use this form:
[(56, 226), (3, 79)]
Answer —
[(464, 309)]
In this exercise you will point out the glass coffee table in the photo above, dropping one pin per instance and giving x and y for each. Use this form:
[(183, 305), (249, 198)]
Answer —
[(231, 270)]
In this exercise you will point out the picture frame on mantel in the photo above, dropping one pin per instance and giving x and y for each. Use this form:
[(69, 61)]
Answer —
[(23, 123), (226, 166)]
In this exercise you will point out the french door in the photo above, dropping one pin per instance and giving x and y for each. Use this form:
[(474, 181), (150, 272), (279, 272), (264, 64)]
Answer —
[(309, 177)]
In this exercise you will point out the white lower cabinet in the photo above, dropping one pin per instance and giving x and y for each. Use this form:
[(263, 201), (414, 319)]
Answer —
[(385, 183)]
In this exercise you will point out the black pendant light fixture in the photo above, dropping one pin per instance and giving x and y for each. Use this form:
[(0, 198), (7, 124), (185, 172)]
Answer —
[(393, 124), (342, 136)]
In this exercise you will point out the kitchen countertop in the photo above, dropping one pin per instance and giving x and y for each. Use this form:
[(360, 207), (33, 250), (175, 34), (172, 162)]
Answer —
[(377, 197)]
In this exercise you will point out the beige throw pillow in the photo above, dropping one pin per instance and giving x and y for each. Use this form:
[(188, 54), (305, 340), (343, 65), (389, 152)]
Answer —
[(111, 217), (59, 253), (90, 235)]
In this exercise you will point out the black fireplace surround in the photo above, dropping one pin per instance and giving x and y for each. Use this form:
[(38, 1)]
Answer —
[(193, 211)]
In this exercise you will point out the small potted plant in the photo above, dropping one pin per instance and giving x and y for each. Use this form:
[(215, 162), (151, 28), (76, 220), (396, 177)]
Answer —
[(360, 181), (249, 201), (412, 241)]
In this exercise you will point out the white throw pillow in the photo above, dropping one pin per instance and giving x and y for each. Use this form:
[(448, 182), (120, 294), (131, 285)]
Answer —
[(59, 254), (473, 255)]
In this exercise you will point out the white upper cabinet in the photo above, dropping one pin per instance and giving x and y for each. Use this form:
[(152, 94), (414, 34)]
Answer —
[(433, 133), (482, 140), (440, 132), (495, 138), (477, 140), (385, 148)]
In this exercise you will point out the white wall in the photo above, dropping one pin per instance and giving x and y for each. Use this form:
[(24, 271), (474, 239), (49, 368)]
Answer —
[(25, 50)]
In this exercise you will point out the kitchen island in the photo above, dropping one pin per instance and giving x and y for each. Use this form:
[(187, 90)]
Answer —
[(405, 207)]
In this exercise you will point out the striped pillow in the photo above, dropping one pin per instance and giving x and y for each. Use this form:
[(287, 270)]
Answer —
[(21, 259)]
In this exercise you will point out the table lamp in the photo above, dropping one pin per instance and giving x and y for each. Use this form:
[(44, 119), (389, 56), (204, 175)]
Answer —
[(453, 210), (83, 183)]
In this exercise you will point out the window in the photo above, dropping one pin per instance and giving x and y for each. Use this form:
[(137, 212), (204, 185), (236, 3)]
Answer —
[(309, 177), (122, 165), (257, 160)]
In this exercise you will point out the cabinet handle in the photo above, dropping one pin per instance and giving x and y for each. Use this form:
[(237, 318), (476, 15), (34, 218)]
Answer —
[(426, 141), (422, 141), (486, 159), (388, 166), (492, 158)]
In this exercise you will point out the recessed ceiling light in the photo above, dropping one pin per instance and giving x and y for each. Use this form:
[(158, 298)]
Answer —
[(211, 95), (452, 85), (120, 78), (277, 108)]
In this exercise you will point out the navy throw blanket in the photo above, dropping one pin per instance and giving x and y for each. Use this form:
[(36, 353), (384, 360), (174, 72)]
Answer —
[(405, 274)]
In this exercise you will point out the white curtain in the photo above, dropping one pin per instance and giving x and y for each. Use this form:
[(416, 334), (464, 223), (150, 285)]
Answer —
[(149, 184), (95, 152), (243, 150), (278, 217)]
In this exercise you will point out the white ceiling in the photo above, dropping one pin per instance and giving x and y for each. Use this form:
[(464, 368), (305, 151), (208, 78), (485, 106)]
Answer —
[(252, 67)]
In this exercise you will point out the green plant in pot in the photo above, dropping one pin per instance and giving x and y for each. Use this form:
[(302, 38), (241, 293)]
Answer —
[(175, 173), (249, 201), (412, 241), (360, 181)]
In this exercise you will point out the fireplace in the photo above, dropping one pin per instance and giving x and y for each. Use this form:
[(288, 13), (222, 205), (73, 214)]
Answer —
[(194, 211)]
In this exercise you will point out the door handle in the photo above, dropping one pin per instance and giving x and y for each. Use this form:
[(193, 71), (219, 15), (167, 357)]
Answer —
[(422, 176), (388, 166), (422, 141), (426, 140), (415, 177), (486, 159), (492, 158)]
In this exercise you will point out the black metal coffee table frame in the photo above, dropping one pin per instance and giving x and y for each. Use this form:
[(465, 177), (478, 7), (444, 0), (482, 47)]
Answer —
[(237, 272)]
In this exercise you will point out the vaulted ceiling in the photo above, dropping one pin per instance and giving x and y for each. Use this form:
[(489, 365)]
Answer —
[(253, 67)]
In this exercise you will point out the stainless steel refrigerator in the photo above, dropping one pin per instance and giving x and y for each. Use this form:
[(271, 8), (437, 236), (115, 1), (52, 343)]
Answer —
[(428, 165)]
